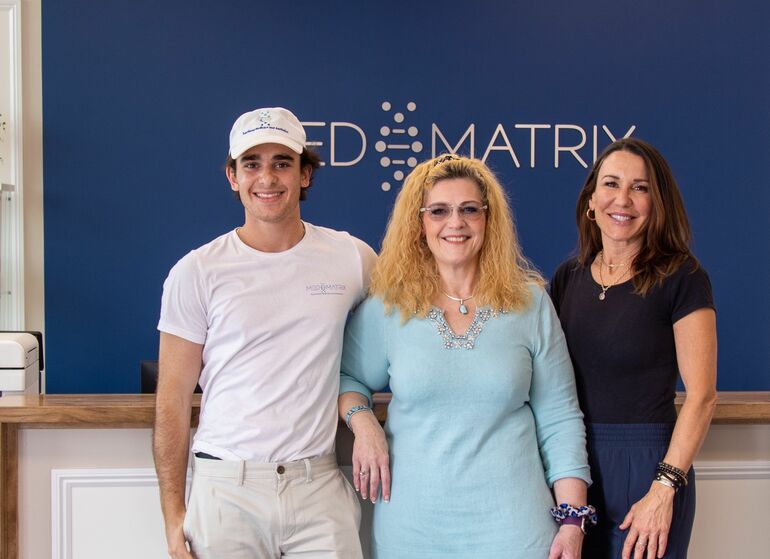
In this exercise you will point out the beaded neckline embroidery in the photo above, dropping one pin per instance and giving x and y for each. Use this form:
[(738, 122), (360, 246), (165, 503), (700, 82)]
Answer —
[(467, 340)]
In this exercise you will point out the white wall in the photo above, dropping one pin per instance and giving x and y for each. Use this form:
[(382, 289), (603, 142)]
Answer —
[(43, 450), (733, 473), (32, 134), (125, 506)]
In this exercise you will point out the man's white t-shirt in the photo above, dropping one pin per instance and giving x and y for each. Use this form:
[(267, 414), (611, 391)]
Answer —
[(271, 326)]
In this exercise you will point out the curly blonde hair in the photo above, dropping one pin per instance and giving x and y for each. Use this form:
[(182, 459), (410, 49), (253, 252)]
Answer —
[(406, 276)]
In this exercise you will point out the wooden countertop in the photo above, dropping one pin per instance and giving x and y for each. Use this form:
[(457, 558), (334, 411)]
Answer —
[(72, 410), (138, 410)]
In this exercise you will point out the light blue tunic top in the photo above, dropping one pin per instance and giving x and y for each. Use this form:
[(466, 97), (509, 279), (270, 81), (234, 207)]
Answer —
[(479, 427)]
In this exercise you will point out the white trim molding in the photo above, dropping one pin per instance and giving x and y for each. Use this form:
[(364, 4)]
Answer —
[(64, 483), (11, 191), (745, 470)]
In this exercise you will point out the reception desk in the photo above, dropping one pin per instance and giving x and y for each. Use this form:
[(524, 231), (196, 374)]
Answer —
[(18, 413)]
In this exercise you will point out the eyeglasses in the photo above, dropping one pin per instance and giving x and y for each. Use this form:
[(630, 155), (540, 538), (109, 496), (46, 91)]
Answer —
[(442, 212)]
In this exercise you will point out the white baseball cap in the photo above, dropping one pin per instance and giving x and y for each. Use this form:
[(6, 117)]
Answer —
[(274, 125)]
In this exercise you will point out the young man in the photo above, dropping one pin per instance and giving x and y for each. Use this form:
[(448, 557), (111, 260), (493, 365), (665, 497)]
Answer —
[(256, 317)]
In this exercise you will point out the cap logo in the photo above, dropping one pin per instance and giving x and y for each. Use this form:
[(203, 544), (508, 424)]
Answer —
[(264, 122)]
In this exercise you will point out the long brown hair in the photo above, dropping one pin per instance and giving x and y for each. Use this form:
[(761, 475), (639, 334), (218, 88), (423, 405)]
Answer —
[(406, 276), (666, 234)]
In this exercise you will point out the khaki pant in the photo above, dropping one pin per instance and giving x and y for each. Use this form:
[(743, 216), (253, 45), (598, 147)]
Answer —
[(246, 510)]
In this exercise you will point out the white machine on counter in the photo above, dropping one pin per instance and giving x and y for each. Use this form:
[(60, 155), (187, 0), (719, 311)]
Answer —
[(19, 363)]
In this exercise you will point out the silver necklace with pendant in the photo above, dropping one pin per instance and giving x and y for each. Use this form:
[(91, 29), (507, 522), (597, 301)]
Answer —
[(463, 309), (603, 294)]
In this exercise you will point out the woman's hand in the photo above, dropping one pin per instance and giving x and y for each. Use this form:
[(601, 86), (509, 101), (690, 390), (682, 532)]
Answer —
[(568, 543), (648, 523), (371, 462)]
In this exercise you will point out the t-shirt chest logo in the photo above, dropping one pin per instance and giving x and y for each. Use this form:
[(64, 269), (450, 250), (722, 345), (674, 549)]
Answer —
[(324, 288)]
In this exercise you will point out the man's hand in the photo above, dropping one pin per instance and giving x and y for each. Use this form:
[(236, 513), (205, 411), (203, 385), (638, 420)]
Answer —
[(177, 544)]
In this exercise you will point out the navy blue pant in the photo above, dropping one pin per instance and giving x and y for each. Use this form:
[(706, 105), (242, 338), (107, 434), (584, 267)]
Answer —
[(623, 458)]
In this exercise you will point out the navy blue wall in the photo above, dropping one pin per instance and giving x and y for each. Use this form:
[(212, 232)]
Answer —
[(139, 97)]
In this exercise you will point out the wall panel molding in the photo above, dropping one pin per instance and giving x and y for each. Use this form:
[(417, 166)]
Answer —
[(133, 493), (732, 470), (73, 489)]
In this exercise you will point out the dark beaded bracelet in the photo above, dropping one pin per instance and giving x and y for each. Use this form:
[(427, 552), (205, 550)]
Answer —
[(677, 473)]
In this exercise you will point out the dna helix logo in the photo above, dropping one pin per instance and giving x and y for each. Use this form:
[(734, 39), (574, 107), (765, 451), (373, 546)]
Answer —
[(399, 143)]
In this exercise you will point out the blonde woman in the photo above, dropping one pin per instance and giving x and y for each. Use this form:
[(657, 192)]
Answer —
[(484, 422)]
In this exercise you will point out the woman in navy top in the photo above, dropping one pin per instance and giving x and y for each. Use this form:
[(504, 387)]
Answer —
[(637, 312)]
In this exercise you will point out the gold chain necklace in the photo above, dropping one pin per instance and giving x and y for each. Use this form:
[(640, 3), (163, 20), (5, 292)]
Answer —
[(603, 294)]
